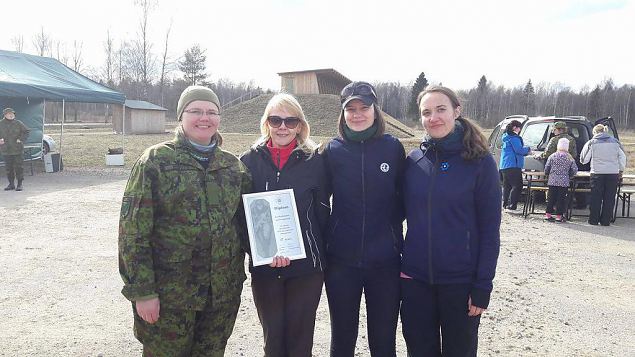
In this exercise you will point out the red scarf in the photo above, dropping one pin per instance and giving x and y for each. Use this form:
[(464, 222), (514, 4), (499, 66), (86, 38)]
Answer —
[(280, 156)]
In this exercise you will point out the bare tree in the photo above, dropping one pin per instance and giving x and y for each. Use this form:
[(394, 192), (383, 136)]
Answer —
[(144, 64), (42, 42), (18, 43), (166, 65), (78, 61), (60, 52), (109, 65)]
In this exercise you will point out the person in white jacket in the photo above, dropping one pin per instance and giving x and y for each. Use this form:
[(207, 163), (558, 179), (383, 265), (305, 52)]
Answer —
[(607, 164)]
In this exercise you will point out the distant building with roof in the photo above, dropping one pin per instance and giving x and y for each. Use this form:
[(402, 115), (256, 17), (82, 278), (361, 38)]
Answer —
[(141, 118), (314, 81)]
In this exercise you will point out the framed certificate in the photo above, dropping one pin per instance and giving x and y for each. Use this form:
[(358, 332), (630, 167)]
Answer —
[(273, 226)]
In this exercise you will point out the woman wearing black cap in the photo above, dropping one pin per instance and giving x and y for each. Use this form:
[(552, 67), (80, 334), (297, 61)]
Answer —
[(365, 237)]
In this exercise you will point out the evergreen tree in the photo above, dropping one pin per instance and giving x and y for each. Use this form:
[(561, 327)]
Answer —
[(481, 100), (594, 104), (529, 99), (420, 84), (193, 65)]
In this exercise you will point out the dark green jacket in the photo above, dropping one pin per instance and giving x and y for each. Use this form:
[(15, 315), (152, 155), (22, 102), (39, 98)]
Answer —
[(179, 232), (12, 131), (552, 146)]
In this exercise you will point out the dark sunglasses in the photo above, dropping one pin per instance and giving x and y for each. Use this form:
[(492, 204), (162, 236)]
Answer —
[(358, 89), (290, 122)]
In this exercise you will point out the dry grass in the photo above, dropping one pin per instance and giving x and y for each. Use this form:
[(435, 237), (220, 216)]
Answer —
[(85, 148)]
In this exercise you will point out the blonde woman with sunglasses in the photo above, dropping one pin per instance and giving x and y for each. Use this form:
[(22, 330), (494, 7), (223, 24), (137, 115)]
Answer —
[(287, 293)]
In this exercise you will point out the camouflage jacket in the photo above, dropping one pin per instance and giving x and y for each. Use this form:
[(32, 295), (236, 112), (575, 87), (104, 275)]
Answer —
[(552, 146), (179, 232), (11, 131)]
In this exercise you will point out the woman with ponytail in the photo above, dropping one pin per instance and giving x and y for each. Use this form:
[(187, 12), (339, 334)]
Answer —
[(453, 209)]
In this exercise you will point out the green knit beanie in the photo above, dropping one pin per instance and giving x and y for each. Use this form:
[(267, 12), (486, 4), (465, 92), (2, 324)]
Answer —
[(193, 93)]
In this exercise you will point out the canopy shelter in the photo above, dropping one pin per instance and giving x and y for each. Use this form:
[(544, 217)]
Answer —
[(27, 82)]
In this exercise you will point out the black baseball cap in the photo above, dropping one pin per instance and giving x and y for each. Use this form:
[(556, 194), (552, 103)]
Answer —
[(363, 91)]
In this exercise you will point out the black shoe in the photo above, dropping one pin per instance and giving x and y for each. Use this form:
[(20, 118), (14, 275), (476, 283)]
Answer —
[(10, 187), (593, 223), (605, 224)]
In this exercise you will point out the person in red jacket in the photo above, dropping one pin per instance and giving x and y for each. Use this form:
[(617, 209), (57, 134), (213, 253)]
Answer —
[(287, 292)]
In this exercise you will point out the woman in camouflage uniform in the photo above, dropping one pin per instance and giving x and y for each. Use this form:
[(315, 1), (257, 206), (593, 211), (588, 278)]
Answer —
[(180, 255)]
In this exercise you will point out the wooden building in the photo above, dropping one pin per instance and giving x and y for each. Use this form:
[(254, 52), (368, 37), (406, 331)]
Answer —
[(315, 81), (141, 118)]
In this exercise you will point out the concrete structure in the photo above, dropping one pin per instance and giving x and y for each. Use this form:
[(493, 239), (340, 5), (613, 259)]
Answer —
[(314, 81), (141, 118)]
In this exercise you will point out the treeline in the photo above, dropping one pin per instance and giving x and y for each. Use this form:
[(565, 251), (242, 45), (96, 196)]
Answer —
[(488, 103)]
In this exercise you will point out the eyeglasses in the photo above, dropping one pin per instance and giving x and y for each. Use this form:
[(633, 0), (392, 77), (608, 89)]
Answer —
[(290, 122), (359, 88), (200, 112)]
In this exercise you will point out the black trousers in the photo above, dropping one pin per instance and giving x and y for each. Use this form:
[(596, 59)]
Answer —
[(603, 190), (557, 196), (512, 186), (434, 320), (13, 165), (286, 309), (344, 287)]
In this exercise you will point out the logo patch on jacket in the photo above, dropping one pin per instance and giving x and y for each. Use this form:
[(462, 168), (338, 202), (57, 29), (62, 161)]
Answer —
[(445, 166), (384, 167), (125, 207)]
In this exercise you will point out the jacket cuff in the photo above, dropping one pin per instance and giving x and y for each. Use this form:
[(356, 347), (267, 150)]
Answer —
[(480, 298), (134, 292)]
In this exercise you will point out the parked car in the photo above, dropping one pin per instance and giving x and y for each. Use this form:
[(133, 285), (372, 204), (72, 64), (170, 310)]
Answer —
[(536, 132), (48, 144)]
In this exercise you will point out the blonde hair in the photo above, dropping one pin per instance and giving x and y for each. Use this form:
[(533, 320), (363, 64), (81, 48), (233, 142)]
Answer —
[(599, 129), (290, 104)]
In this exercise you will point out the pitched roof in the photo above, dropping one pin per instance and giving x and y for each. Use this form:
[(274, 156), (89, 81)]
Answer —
[(141, 104)]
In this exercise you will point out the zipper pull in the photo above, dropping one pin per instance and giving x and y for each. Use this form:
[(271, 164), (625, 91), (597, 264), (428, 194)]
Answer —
[(278, 177)]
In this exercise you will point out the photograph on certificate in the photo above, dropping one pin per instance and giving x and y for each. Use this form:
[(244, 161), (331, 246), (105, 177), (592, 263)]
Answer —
[(273, 226)]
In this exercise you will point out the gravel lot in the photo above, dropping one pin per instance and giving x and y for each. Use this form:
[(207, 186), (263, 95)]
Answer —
[(561, 289)]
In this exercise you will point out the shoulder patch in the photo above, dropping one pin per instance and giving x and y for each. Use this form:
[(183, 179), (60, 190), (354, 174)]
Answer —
[(126, 204)]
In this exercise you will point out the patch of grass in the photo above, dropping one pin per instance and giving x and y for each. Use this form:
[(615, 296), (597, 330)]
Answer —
[(85, 148)]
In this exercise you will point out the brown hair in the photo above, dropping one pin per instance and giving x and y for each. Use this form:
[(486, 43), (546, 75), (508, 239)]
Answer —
[(379, 119), (474, 142)]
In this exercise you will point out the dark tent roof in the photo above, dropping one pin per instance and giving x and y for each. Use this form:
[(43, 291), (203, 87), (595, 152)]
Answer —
[(23, 75)]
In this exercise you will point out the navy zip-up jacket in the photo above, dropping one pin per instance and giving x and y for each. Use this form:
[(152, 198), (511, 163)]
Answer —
[(453, 210), (365, 227)]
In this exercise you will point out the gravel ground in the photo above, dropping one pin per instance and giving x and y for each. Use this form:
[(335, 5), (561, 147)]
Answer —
[(561, 289)]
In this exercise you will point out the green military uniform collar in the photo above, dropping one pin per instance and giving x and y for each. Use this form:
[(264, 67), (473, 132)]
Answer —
[(218, 159)]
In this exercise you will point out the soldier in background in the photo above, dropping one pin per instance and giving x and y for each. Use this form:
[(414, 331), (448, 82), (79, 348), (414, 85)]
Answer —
[(180, 251), (13, 134), (559, 132)]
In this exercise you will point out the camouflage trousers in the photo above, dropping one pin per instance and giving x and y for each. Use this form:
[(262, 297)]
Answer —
[(185, 333), (13, 165)]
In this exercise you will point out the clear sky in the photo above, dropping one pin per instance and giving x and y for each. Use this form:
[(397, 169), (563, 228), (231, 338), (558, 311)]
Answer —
[(571, 42)]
